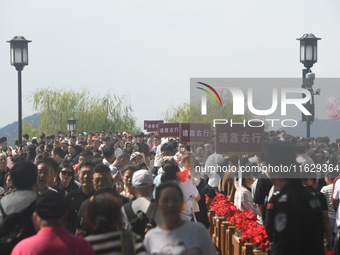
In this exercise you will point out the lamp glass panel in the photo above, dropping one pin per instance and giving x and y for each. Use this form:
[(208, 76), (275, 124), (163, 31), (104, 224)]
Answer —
[(71, 125), (315, 55), (17, 56), (302, 53), (25, 56), (309, 53), (12, 56)]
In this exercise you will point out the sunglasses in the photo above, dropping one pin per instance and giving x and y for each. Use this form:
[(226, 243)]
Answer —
[(66, 173)]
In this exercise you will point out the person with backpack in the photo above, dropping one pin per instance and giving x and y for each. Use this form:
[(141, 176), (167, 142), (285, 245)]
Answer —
[(16, 208), (140, 215)]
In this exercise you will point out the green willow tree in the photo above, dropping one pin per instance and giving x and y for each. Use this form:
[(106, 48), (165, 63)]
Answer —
[(31, 129), (92, 113), (178, 114)]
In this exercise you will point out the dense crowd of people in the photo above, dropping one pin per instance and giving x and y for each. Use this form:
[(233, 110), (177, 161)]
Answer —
[(105, 193)]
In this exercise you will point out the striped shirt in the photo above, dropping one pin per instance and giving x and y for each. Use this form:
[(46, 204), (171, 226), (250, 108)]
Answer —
[(117, 243)]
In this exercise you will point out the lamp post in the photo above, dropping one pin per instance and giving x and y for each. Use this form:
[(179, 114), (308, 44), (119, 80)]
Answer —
[(71, 125), (19, 59), (308, 57)]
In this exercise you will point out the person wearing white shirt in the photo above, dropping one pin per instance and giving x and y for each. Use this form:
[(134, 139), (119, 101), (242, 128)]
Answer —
[(211, 164), (174, 235)]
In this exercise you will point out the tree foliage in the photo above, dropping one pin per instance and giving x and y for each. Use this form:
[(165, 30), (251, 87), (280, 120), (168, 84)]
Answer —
[(93, 113), (31, 129), (178, 114)]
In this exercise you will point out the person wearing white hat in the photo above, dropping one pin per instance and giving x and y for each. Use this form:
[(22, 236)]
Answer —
[(142, 181)]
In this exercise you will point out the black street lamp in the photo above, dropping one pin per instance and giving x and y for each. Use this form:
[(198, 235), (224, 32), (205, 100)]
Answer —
[(308, 57), (19, 59), (71, 125)]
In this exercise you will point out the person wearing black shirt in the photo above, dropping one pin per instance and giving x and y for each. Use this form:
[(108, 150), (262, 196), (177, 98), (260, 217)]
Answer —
[(294, 215), (76, 198), (261, 194), (312, 185)]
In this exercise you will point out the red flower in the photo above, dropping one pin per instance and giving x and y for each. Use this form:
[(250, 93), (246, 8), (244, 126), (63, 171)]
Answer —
[(245, 222), (251, 232), (223, 207)]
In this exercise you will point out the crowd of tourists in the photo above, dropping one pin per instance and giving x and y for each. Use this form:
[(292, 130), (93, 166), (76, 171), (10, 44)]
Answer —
[(105, 193)]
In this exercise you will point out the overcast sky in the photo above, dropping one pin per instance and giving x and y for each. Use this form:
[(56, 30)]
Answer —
[(149, 50)]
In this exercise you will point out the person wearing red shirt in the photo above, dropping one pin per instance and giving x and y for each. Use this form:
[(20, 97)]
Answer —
[(53, 238)]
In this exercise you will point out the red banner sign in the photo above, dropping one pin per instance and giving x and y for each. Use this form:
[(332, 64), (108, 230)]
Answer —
[(195, 133), (169, 130), (239, 138), (152, 125)]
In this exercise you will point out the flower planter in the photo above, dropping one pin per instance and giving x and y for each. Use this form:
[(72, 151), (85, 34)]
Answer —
[(217, 232), (223, 236), (228, 243), (236, 244), (211, 215), (247, 249), (259, 252)]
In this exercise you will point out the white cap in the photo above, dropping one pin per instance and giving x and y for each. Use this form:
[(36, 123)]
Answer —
[(142, 178)]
